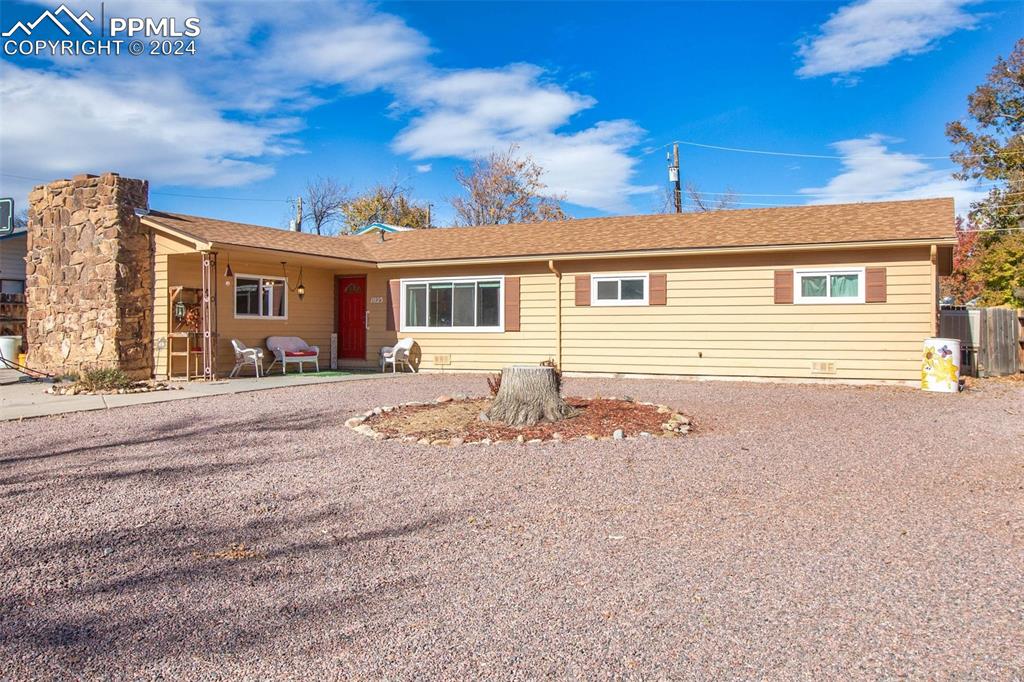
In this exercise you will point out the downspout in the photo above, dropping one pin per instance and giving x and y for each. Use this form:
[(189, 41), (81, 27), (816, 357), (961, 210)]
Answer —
[(558, 312), (934, 265)]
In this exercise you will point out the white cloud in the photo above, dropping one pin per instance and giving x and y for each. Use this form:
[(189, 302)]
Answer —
[(469, 113), (218, 119), (424, 167), (872, 33), (56, 125), (872, 172)]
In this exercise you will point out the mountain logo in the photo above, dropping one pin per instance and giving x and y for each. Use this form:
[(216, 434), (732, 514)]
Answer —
[(77, 20)]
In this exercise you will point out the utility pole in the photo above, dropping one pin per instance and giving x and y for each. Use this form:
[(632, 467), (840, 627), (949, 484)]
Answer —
[(673, 177), (298, 214), (429, 206)]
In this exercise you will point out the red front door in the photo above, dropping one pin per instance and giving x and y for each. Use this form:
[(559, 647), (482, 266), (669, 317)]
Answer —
[(352, 317)]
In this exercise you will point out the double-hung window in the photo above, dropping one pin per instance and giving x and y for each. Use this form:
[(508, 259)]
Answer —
[(456, 304), (829, 286), (619, 289), (264, 297)]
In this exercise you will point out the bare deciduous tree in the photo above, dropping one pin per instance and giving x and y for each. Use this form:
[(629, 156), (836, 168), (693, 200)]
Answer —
[(386, 203), (505, 188), (695, 201), (322, 201)]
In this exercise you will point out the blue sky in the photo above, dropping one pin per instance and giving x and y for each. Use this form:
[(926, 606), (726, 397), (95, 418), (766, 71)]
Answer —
[(279, 92)]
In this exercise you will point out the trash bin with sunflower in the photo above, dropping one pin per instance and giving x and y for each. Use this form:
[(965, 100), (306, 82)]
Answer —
[(940, 365)]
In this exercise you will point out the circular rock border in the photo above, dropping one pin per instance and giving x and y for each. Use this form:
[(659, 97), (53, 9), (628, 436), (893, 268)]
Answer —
[(675, 424)]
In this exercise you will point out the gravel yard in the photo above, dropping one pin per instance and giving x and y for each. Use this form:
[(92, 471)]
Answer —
[(799, 531)]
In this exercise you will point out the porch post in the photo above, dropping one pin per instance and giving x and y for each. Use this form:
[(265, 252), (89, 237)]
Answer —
[(209, 315)]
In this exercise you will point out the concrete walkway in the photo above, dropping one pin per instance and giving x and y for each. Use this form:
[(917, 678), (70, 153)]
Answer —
[(24, 399)]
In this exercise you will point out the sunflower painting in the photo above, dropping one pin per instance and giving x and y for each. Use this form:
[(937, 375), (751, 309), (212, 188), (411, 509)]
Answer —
[(938, 370)]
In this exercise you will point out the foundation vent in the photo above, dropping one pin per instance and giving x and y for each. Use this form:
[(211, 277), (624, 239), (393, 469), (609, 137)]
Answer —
[(821, 367), (442, 360)]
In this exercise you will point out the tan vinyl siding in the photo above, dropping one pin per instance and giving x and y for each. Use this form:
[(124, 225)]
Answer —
[(165, 248), (479, 351), (312, 318), (721, 320)]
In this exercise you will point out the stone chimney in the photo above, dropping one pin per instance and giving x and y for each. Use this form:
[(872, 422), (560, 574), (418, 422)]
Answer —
[(89, 276)]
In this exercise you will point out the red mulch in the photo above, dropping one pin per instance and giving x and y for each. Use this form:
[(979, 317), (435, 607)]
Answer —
[(460, 419)]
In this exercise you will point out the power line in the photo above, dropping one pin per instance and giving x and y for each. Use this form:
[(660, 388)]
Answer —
[(828, 194), (799, 155)]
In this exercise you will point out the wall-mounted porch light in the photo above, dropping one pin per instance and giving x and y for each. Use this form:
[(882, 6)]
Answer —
[(229, 276)]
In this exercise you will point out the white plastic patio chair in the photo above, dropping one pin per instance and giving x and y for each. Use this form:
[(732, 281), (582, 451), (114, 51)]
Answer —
[(397, 354), (246, 356)]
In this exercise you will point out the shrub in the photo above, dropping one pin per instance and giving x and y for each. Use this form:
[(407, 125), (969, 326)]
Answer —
[(104, 380), (494, 383)]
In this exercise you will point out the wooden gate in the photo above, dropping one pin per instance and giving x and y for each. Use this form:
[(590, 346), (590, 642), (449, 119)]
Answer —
[(989, 339)]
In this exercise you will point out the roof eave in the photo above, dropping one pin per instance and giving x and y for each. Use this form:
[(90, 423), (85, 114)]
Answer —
[(654, 253), (324, 258), (198, 243)]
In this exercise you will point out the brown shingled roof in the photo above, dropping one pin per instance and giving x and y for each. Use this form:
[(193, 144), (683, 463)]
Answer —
[(925, 219), (241, 234)]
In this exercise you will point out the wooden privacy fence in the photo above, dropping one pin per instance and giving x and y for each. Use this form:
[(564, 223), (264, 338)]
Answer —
[(989, 339)]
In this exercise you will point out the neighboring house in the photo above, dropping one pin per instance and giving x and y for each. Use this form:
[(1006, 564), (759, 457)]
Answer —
[(12, 261), (382, 227), (840, 291)]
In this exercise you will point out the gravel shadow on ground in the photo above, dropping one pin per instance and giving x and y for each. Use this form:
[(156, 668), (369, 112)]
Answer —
[(804, 530)]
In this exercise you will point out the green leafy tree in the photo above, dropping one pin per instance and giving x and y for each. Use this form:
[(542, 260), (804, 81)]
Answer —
[(1000, 269), (992, 150), (385, 203), (992, 145)]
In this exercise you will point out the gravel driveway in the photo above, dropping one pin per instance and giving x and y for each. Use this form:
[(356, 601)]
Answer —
[(802, 531)]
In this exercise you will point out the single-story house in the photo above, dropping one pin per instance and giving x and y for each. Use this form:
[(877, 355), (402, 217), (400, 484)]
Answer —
[(846, 292)]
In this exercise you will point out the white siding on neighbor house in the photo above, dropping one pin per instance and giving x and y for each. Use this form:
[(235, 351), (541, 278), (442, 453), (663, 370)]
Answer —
[(12, 256)]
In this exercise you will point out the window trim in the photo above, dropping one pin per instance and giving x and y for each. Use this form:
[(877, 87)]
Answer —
[(595, 278), (800, 299), (403, 327), (234, 299)]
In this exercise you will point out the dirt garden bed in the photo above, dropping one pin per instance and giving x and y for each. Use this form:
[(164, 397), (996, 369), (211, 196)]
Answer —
[(448, 421)]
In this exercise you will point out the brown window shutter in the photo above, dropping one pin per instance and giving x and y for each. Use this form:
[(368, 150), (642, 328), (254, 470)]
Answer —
[(658, 283), (783, 286), (511, 304), (874, 285), (582, 289), (394, 304), (945, 263)]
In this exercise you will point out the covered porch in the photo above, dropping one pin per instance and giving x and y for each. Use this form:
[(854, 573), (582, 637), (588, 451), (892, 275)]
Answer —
[(208, 294)]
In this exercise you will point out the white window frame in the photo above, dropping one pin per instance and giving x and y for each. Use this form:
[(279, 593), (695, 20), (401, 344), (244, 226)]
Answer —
[(827, 299), (261, 316), (618, 276), (452, 280)]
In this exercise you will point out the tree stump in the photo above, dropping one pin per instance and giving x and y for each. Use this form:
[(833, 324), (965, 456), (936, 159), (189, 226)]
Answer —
[(528, 395)]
